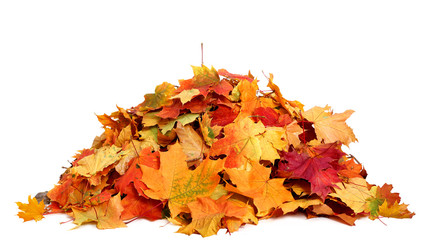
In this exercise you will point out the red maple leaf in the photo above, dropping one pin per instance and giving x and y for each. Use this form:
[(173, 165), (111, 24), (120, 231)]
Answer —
[(317, 170), (267, 116)]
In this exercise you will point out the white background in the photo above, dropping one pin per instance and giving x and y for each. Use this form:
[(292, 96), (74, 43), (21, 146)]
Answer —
[(62, 62)]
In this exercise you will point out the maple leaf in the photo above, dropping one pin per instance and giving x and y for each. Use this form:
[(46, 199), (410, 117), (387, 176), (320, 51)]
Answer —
[(317, 170), (135, 148), (203, 76), (222, 88), (292, 107), (395, 210), (207, 214), (330, 127), (292, 132), (175, 183), (354, 193), (107, 214), (226, 74), (208, 131), (107, 121), (183, 119), (241, 142), (248, 98), (272, 141), (134, 173), (161, 97), (32, 210), (383, 197), (267, 116), (191, 142), (138, 206), (187, 95), (124, 136), (223, 116), (256, 183), (60, 193), (103, 157)]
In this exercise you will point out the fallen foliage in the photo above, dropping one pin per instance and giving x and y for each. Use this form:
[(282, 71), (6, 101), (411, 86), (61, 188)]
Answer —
[(216, 152)]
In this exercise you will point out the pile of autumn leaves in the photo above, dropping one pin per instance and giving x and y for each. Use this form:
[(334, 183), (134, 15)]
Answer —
[(216, 152)]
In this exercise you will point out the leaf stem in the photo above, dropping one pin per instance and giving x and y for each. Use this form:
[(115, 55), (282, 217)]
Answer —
[(132, 143), (202, 54)]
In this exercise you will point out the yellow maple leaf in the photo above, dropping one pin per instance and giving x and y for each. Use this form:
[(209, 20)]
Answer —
[(330, 127), (187, 95), (395, 211), (354, 194), (240, 144), (103, 157), (32, 210), (271, 141)]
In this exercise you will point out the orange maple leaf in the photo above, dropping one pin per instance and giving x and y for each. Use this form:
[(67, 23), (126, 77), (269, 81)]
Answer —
[(32, 210), (256, 183), (175, 183), (240, 144)]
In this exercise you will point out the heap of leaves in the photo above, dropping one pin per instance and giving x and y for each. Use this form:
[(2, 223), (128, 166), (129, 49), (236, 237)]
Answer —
[(216, 152)]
